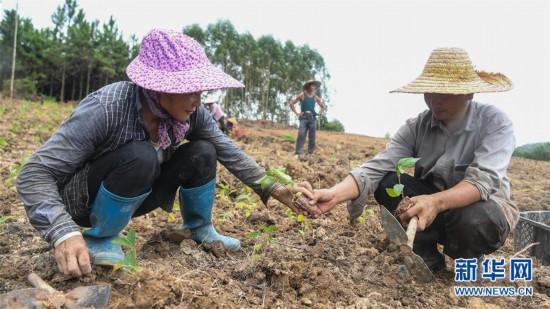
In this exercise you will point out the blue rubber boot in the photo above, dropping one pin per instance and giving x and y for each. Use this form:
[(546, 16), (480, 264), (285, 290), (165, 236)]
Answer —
[(110, 214), (196, 209)]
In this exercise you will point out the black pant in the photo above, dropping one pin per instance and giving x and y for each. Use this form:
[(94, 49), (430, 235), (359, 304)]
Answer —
[(133, 169), (466, 232), (307, 127)]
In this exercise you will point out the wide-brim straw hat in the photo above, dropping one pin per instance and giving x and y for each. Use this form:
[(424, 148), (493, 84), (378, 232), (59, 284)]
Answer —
[(172, 62), (312, 82), (450, 71)]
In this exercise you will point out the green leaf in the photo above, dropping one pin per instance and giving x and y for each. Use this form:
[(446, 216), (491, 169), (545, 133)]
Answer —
[(253, 235), (266, 182), (131, 258), (269, 228), (280, 175), (391, 192), (300, 218), (405, 163), (398, 188), (132, 237), (4, 219), (176, 207), (247, 212), (122, 240)]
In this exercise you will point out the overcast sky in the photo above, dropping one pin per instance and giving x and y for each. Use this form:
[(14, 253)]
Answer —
[(373, 47)]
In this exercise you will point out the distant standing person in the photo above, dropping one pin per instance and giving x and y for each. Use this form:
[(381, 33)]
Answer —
[(211, 102), (307, 115)]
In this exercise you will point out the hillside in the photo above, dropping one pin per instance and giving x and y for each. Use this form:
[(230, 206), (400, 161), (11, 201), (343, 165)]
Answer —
[(321, 263)]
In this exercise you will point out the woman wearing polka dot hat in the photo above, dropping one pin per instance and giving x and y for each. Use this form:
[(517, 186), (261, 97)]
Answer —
[(121, 154)]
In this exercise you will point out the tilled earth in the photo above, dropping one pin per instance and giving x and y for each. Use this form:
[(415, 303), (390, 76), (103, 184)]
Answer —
[(323, 263)]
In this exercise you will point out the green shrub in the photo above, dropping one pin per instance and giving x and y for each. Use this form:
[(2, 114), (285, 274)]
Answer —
[(536, 151), (334, 125), (24, 88)]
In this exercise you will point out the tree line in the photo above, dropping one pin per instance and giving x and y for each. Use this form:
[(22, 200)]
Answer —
[(76, 56)]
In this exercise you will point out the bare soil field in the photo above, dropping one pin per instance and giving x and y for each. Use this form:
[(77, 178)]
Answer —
[(284, 263)]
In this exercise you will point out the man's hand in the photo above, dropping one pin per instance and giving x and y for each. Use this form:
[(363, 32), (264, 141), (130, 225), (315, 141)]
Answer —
[(426, 208), (324, 199), (72, 257), (298, 203)]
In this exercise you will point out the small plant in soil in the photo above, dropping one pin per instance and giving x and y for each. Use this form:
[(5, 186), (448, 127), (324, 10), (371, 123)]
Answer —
[(246, 202), (171, 217), (363, 217), (264, 239), (301, 220), (398, 189), (222, 217), (4, 220), (3, 143), (129, 263), (288, 137), (14, 171), (279, 175), (224, 190)]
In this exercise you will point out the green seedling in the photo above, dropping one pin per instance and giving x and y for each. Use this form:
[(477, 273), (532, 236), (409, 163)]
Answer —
[(301, 220), (363, 218), (304, 224), (171, 217), (4, 220), (15, 128), (129, 263), (224, 190), (274, 175), (264, 239), (288, 137), (246, 201), (402, 165), (3, 143), (222, 217), (14, 171), (279, 175)]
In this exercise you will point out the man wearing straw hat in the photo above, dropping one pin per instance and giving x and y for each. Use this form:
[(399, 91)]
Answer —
[(460, 190), (307, 115)]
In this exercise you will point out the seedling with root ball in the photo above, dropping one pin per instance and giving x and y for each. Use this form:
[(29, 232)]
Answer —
[(295, 201)]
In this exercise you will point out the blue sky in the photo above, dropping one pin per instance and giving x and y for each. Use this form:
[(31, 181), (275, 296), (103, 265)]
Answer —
[(371, 47)]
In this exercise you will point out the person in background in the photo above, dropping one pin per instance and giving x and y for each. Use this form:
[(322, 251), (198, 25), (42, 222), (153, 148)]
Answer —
[(212, 103), (121, 154), (307, 115), (460, 190)]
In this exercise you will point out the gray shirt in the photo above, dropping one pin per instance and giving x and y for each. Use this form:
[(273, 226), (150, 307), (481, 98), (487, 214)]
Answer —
[(477, 151), (53, 184)]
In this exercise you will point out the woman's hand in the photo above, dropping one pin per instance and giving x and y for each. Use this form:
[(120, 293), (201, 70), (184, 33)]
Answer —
[(299, 203), (72, 257), (324, 199), (425, 207)]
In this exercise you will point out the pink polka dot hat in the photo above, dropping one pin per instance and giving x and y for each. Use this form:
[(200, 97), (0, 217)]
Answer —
[(172, 62)]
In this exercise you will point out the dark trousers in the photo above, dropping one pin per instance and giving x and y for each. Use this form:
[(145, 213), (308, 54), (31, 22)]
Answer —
[(133, 169), (480, 228), (308, 126)]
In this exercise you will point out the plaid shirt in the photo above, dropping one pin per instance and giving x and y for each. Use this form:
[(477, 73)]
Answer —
[(53, 184)]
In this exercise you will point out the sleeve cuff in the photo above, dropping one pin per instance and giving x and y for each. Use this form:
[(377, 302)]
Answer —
[(59, 230), (65, 237), (356, 206), (484, 194)]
